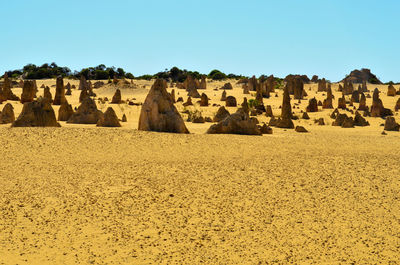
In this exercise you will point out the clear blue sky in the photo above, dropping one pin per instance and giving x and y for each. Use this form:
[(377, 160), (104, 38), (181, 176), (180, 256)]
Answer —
[(324, 37)]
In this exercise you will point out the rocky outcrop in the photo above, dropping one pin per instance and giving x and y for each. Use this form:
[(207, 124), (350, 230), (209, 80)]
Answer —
[(363, 103), (65, 111), (391, 124), (28, 91), (237, 123), (328, 102), (322, 85), (159, 113), (391, 91), (227, 86), (47, 94), (7, 115), (363, 75), (87, 113), (109, 119), (203, 82), (188, 102), (285, 120), (223, 96), (359, 120), (38, 113), (397, 106), (116, 99), (377, 109), (59, 97), (342, 102), (268, 111), (221, 114), (7, 93), (203, 100), (312, 105), (230, 101), (300, 129)]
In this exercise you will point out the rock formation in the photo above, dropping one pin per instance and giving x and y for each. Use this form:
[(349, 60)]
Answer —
[(7, 92), (359, 120), (355, 97), (363, 103), (223, 96), (342, 102), (329, 98), (391, 124), (28, 91), (397, 106), (322, 85), (360, 76), (312, 105), (87, 113), (230, 101), (237, 123), (203, 100), (7, 115), (47, 94), (305, 116), (377, 109), (300, 129), (124, 119), (285, 120), (159, 113), (221, 114), (109, 119), (68, 91), (38, 113), (116, 99), (59, 97), (391, 91), (227, 86), (203, 82), (172, 94), (65, 111), (188, 102), (268, 111)]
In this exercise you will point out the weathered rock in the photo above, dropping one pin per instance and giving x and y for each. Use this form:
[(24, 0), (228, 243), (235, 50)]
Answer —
[(68, 91), (124, 119), (221, 114), (109, 119), (28, 91), (286, 115), (180, 99), (116, 99), (377, 109), (320, 121), (7, 93), (203, 82), (329, 98), (397, 106), (314, 79), (391, 124), (344, 121), (87, 113), (191, 85), (245, 106), (342, 102), (188, 102), (270, 84), (305, 116), (47, 94), (359, 120), (227, 86), (363, 103), (363, 75), (268, 111), (312, 105), (391, 91), (83, 95), (223, 96), (203, 100), (334, 114), (265, 129), (83, 85), (172, 94), (300, 129), (355, 97), (237, 123), (59, 97), (246, 89), (7, 115), (230, 101), (322, 85), (159, 113), (65, 111), (37, 113)]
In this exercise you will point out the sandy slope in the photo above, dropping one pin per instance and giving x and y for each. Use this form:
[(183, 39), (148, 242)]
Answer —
[(80, 194)]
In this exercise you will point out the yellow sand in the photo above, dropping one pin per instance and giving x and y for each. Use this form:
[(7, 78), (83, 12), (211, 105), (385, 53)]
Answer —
[(81, 194)]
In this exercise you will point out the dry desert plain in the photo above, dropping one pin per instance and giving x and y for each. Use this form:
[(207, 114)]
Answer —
[(81, 194)]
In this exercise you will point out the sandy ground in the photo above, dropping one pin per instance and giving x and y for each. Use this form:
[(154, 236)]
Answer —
[(80, 194)]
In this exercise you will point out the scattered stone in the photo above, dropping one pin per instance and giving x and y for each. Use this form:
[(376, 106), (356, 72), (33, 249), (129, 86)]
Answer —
[(305, 116), (265, 129), (124, 119)]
